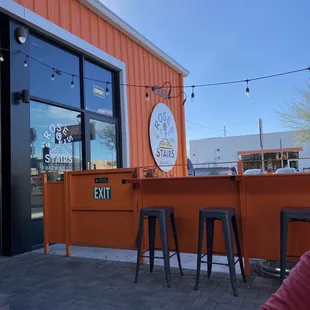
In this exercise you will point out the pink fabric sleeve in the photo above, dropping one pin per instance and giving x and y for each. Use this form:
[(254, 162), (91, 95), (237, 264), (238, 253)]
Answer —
[(294, 294)]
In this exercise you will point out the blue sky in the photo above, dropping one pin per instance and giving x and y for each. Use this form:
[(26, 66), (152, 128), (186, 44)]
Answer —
[(228, 40)]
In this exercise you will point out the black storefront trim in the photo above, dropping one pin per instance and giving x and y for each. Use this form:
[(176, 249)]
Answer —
[(6, 225), (18, 229)]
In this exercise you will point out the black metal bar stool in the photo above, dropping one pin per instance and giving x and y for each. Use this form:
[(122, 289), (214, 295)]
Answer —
[(162, 213), (289, 215), (229, 223)]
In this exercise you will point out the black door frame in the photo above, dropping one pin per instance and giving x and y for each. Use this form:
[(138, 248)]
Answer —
[(5, 224), (101, 118)]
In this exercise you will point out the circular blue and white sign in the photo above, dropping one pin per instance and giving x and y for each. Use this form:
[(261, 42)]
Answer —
[(163, 137)]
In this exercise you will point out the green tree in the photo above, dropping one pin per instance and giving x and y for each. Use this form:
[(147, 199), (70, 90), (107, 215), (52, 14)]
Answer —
[(296, 115)]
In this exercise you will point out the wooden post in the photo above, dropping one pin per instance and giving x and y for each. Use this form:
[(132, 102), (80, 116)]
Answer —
[(247, 265), (67, 210)]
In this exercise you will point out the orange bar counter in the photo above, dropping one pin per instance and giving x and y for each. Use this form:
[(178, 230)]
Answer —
[(77, 212), (257, 199)]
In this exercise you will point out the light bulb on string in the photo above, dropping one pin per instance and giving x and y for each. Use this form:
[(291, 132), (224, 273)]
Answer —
[(107, 91), (26, 62), (147, 95), (1, 57), (53, 75), (193, 94), (247, 90), (72, 81)]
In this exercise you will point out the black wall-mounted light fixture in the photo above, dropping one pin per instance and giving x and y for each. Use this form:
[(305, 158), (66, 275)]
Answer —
[(156, 88), (21, 34), (182, 92), (23, 96)]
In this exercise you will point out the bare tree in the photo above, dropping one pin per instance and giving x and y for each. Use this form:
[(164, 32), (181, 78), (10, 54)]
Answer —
[(296, 116), (106, 134)]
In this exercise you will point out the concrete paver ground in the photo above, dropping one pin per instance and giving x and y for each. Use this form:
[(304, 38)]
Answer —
[(37, 281), (189, 261)]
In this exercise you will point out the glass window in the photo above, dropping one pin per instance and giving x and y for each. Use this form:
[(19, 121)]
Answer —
[(53, 86), (103, 145), (97, 98), (55, 146), (293, 155)]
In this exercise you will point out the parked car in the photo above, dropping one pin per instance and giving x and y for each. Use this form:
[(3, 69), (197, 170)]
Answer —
[(286, 170), (253, 171), (190, 168), (215, 171)]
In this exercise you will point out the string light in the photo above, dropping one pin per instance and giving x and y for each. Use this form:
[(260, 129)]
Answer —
[(172, 86), (154, 88), (193, 94), (107, 91), (72, 81), (26, 62), (53, 75), (147, 96), (247, 90)]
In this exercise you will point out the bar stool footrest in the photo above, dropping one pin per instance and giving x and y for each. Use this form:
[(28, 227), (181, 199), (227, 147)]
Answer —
[(222, 264), (157, 257)]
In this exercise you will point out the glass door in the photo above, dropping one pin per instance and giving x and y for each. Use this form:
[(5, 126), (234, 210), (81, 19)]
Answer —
[(103, 143)]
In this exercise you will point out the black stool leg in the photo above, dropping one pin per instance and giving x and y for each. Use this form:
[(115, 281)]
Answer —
[(210, 236), (152, 230), (199, 251), (235, 228), (228, 235), (163, 220), (139, 245), (174, 229), (283, 244)]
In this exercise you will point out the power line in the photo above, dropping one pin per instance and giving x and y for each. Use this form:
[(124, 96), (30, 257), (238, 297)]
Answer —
[(217, 130)]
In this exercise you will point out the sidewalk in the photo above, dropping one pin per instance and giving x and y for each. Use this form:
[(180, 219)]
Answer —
[(37, 281)]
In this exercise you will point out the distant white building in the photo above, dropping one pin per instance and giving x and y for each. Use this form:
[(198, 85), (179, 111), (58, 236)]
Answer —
[(226, 151)]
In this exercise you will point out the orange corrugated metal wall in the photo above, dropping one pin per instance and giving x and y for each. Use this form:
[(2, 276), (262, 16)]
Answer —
[(142, 68)]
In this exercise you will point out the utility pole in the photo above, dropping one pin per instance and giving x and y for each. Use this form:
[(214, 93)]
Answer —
[(225, 132), (281, 153), (260, 122)]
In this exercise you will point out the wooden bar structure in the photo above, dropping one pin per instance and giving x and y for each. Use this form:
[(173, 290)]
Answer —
[(72, 215)]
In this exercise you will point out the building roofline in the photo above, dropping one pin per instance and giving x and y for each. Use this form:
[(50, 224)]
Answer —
[(249, 135), (101, 10)]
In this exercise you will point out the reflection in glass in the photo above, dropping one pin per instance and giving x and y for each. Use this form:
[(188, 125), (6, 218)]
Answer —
[(272, 161), (98, 96), (55, 145), (103, 145), (46, 83)]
